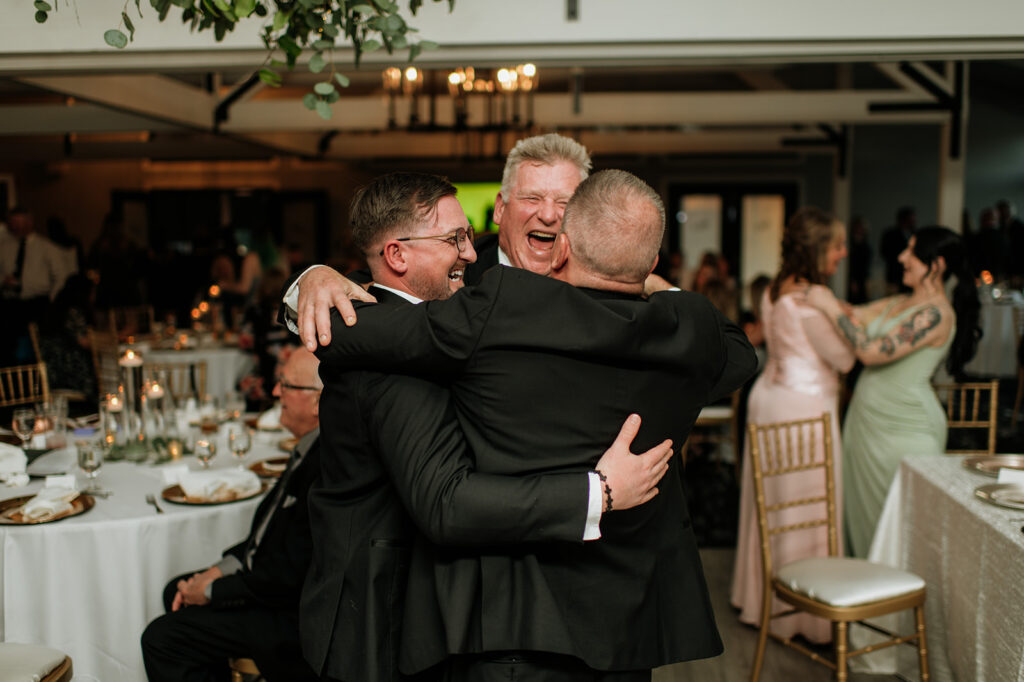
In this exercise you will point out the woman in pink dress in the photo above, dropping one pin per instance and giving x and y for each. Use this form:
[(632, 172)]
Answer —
[(800, 380)]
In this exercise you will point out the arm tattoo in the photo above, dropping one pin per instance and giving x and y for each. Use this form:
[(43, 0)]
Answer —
[(918, 326), (853, 333)]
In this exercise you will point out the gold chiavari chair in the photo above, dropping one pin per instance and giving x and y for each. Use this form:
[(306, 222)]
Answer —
[(34, 662), (105, 353), (973, 406), (24, 384), (183, 379), (33, 334), (840, 589)]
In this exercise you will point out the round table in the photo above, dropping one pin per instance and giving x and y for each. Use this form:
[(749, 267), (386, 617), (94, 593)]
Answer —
[(89, 584), (997, 349), (224, 365)]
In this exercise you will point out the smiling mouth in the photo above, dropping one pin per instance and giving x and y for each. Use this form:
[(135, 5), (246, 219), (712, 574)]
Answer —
[(542, 241), (456, 275)]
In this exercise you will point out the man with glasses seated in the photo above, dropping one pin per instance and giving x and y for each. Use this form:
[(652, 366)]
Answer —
[(246, 605), (392, 443)]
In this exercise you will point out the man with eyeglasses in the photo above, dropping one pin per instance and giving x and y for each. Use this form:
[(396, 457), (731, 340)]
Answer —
[(543, 365), (246, 605), (395, 461)]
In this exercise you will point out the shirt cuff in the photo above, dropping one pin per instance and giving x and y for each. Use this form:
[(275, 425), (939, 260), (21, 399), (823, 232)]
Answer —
[(291, 301), (229, 564), (592, 531)]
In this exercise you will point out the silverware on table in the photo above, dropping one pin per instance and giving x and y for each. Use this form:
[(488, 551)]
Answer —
[(151, 499)]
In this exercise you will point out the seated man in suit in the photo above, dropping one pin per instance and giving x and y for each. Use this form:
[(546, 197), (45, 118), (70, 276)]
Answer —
[(546, 367), (394, 459), (246, 605)]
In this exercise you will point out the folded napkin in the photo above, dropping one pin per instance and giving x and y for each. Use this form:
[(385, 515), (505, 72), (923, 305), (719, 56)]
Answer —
[(215, 486), (12, 465), (271, 419), (49, 502), (1011, 476)]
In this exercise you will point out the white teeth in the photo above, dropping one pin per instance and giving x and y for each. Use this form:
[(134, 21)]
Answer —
[(547, 236), (455, 275)]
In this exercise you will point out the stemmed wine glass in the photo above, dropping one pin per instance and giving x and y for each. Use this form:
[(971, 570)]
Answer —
[(90, 459), (206, 450), (239, 440), (24, 423)]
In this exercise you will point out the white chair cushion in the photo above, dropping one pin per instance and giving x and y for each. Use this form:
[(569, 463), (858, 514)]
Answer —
[(838, 581), (27, 662), (715, 412)]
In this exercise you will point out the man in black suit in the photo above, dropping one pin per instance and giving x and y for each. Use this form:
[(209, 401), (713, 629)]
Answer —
[(392, 443), (246, 605), (545, 368)]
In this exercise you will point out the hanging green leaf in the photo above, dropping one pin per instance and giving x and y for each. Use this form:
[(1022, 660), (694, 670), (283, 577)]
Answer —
[(323, 44), (331, 30), (115, 38), (428, 45), (309, 100), (244, 8), (270, 77), (280, 19), (370, 46), (324, 88), (129, 25), (42, 6), (342, 79), (317, 63), (363, 9), (41, 16), (324, 109)]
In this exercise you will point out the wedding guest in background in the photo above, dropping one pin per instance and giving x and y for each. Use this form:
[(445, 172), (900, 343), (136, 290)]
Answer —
[(894, 240), (64, 339), (246, 605), (901, 340), (990, 246), (799, 381), (121, 264)]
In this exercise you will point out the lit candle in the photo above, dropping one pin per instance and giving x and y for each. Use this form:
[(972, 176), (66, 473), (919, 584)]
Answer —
[(130, 358), (155, 391), (114, 404)]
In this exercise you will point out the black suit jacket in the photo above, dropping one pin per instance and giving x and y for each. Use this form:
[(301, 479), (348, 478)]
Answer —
[(486, 248), (282, 556), (392, 443), (550, 370)]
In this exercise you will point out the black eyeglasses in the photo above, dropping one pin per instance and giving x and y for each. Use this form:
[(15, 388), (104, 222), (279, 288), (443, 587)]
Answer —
[(458, 239), (293, 387)]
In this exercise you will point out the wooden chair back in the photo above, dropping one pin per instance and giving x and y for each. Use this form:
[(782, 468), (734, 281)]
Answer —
[(24, 384), (105, 350), (1018, 330), (127, 320), (183, 379), (973, 406)]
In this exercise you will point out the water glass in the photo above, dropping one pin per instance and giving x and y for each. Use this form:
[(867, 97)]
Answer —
[(24, 423), (206, 450), (240, 441), (90, 459)]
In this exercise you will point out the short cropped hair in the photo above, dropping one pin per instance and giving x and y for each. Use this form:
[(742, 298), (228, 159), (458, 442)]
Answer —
[(392, 203), (615, 222), (546, 149)]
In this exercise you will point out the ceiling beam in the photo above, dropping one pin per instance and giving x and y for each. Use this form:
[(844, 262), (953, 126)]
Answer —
[(57, 119), (156, 97)]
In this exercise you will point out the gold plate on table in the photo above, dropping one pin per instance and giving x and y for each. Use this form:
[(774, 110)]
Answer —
[(254, 423), (269, 468), (1010, 495), (176, 495), (287, 444), (991, 464), (10, 510)]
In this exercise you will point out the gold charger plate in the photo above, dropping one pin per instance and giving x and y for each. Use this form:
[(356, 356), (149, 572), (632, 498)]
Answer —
[(176, 495), (1009, 495), (254, 423), (287, 444), (10, 514), (991, 464), (272, 467)]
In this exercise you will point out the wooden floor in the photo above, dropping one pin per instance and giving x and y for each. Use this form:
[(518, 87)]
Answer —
[(781, 663)]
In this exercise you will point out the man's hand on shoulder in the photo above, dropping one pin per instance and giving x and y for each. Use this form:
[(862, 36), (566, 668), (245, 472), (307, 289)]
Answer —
[(632, 479), (320, 290), (655, 283)]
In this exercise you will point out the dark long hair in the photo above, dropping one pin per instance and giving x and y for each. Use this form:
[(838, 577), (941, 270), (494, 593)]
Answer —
[(929, 244), (806, 237)]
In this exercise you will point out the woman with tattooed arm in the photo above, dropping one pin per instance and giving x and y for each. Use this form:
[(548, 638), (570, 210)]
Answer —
[(901, 340)]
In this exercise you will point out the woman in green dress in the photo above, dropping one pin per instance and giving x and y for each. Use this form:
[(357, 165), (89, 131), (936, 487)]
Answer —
[(901, 340)]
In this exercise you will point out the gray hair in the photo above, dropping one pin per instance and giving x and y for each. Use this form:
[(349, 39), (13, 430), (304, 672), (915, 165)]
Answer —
[(546, 149), (615, 222)]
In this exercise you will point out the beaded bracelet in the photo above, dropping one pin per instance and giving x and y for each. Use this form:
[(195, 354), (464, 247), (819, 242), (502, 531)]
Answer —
[(607, 490)]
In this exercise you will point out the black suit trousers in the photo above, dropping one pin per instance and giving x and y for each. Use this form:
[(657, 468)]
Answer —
[(531, 666), (194, 643)]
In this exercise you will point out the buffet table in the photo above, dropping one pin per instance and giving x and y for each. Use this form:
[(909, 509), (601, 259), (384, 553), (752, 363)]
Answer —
[(89, 584), (971, 555)]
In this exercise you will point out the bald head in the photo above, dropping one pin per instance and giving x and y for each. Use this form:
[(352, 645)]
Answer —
[(613, 226), (298, 387)]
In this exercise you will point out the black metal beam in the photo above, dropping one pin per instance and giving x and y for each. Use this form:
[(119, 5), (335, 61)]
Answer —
[(324, 143), (220, 114)]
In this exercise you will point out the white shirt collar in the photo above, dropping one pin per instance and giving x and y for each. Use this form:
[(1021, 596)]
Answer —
[(503, 259), (404, 294)]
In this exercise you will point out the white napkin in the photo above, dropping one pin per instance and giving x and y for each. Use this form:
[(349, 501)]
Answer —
[(223, 484), (271, 419), (12, 464), (49, 502), (172, 473), (1011, 476)]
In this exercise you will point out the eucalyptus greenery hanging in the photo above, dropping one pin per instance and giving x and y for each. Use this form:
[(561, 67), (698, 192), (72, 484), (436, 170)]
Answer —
[(290, 26)]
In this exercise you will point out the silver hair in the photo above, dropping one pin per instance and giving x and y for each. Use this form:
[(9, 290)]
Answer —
[(546, 149)]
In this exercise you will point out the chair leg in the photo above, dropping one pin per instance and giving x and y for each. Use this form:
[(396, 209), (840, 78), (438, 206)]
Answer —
[(762, 638), (1016, 401), (922, 642), (841, 627)]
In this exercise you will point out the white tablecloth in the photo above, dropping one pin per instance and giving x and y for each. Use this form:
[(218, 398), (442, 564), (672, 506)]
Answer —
[(224, 366), (971, 556), (88, 585), (997, 349)]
